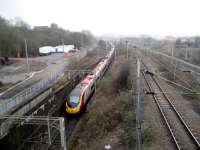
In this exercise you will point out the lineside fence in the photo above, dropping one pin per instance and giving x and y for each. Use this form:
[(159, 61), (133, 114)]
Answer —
[(8, 105)]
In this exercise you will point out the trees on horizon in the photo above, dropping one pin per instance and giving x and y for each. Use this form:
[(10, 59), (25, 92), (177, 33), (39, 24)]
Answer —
[(12, 37)]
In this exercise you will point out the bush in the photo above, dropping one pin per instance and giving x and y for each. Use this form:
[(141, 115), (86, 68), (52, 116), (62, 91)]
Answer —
[(121, 82), (147, 138), (128, 119)]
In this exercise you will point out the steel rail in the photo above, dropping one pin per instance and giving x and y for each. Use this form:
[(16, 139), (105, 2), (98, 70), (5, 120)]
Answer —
[(162, 113), (178, 114), (192, 137)]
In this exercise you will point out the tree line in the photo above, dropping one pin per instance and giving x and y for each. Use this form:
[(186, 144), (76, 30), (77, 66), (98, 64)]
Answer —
[(13, 35)]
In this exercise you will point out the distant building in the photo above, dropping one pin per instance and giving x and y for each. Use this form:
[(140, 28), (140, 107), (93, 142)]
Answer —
[(170, 38), (46, 50), (64, 48)]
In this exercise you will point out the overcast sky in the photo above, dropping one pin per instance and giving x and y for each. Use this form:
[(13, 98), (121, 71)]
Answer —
[(132, 17)]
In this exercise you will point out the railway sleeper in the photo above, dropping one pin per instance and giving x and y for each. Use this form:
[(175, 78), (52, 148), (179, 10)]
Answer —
[(181, 146), (149, 92), (149, 73), (165, 106)]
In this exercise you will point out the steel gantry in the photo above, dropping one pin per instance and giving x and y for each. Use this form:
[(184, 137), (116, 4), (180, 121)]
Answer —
[(53, 130)]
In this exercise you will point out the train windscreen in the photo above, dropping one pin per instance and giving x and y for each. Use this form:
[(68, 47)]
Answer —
[(74, 97), (74, 100)]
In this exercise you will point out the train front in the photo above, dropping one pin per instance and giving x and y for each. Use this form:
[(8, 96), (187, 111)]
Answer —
[(74, 102)]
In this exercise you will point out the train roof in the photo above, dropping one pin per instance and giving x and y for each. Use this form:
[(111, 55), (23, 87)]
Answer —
[(99, 64), (76, 91), (87, 79)]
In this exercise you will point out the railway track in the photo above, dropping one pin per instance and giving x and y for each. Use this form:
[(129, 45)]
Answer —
[(181, 134), (171, 71), (70, 123), (40, 133)]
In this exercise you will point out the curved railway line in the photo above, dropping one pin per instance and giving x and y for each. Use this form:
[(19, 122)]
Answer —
[(70, 122), (183, 137)]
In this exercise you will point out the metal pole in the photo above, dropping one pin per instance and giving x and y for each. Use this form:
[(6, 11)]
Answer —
[(28, 70), (191, 53), (106, 45), (138, 111), (126, 49), (49, 130), (175, 70), (63, 44), (186, 54), (62, 133), (115, 53), (172, 55)]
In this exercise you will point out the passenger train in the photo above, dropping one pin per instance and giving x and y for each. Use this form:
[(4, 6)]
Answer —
[(78, 98)]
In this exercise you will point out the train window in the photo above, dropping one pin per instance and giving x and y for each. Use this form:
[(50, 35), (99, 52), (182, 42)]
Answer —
[(74, 97), (74, 101), (92, 87)]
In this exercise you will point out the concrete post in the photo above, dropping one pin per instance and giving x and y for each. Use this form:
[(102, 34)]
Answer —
[(27, 61), (138, 111), (62, 133), (175, 70), (49, 130)]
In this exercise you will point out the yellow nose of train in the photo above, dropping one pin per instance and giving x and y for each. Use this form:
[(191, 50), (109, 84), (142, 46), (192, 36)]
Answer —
[(72, 110)]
